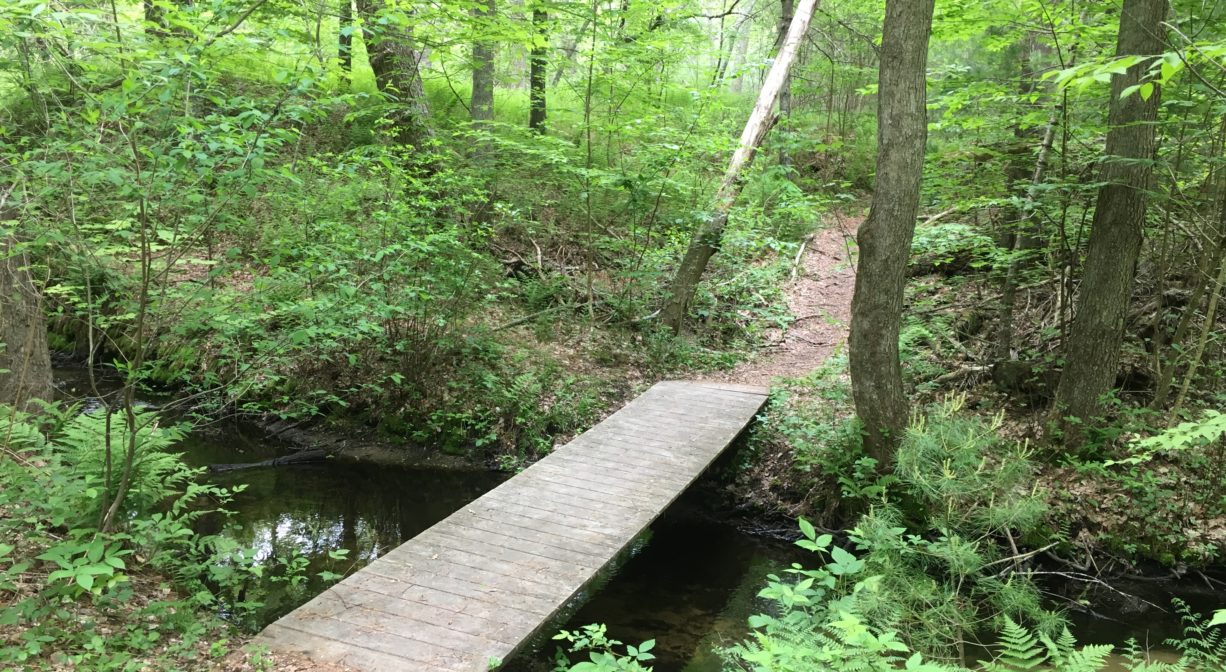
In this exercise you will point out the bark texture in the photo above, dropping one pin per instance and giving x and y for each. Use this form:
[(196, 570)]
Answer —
[(396, 63), (25, 363), (1092, 356), (885, 237), (481, 105), (538, 63), (706, 240)]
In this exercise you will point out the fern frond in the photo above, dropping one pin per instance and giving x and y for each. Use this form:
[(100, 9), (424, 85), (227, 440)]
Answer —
[(1020, 650)]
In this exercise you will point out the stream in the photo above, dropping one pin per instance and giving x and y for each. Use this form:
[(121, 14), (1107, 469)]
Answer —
[(690, 582)]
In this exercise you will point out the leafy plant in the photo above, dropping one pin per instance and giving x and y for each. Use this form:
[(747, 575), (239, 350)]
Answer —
[(604, 654)]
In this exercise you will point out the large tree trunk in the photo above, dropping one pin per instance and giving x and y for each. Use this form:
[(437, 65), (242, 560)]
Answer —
[(25, 363), (1092, 356), (706, 240), (885, 237), (538, 62), (481, 105), (396, 63)]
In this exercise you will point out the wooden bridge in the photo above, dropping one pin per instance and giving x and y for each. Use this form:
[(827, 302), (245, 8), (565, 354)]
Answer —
[(466, 593)]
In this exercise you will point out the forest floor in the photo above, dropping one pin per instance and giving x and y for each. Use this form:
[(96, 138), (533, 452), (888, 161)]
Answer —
[(819, 296)]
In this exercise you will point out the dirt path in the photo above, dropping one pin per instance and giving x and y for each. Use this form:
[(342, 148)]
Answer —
[(820, 298)]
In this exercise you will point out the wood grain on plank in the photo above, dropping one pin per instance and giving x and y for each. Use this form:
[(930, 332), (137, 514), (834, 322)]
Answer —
[(472, 588)]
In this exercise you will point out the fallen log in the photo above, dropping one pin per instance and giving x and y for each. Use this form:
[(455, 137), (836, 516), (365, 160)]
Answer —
[(300, 457)]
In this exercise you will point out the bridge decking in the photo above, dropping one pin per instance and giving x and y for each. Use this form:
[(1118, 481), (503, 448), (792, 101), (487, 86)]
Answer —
[(475, 586)]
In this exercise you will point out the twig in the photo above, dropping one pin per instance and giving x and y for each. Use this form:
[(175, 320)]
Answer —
[(933, 219), (796, 262), (1017, 558), (234, 26), (1077, 576), (529, 318)]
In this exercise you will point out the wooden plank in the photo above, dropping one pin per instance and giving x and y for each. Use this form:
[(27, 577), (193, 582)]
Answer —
[(474, 587)]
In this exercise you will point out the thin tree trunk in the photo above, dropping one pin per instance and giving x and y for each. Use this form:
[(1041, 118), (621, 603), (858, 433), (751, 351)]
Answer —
[(1199, 354), (25, 362), (568, 53), (481, 106), (1092, 358), (740, 55), (538, 63), (344, 40), (1024, 238), (1213, 257), (885, 237), (396, 64), (706, 240), (785, 94)]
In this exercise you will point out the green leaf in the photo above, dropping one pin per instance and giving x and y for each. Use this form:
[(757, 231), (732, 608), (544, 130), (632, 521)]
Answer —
[(806, 528), (1219, 618), (1147, 90)]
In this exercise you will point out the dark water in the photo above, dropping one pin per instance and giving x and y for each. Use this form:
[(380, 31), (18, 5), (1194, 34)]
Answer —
[(313, 510), (1140, 610), (690, 583)]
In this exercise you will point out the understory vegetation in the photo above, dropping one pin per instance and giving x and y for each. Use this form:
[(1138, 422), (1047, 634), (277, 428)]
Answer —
[(471, 230)]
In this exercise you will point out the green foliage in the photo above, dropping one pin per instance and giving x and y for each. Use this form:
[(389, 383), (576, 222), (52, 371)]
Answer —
[(1185, 436), (823, 619), (74, 595), (604, 654), (952, 247)]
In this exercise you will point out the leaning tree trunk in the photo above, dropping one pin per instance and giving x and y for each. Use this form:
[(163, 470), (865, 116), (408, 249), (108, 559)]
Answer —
[(481, 105), (885, 237), (396, 63), (1092, 356), (25, 363), (538, 63), (706, 240)]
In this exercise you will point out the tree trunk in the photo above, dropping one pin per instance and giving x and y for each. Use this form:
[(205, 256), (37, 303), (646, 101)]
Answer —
[(568, 53), (1092, 357), (538, 62), (785, 94), (1025, 238), (25, 363), (1213, 257), (740, 55), (396, 64), (344, 40), (706, 240), (885, 237), (482, 103)]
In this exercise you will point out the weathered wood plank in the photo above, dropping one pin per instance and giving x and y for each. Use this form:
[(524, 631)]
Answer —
[(475, 586)]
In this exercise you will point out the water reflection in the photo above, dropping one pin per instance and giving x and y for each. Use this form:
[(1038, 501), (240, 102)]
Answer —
[(313, 510)]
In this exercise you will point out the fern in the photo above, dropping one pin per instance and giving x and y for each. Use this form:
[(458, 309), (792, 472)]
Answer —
[(1203, 645), (1019, 650)]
